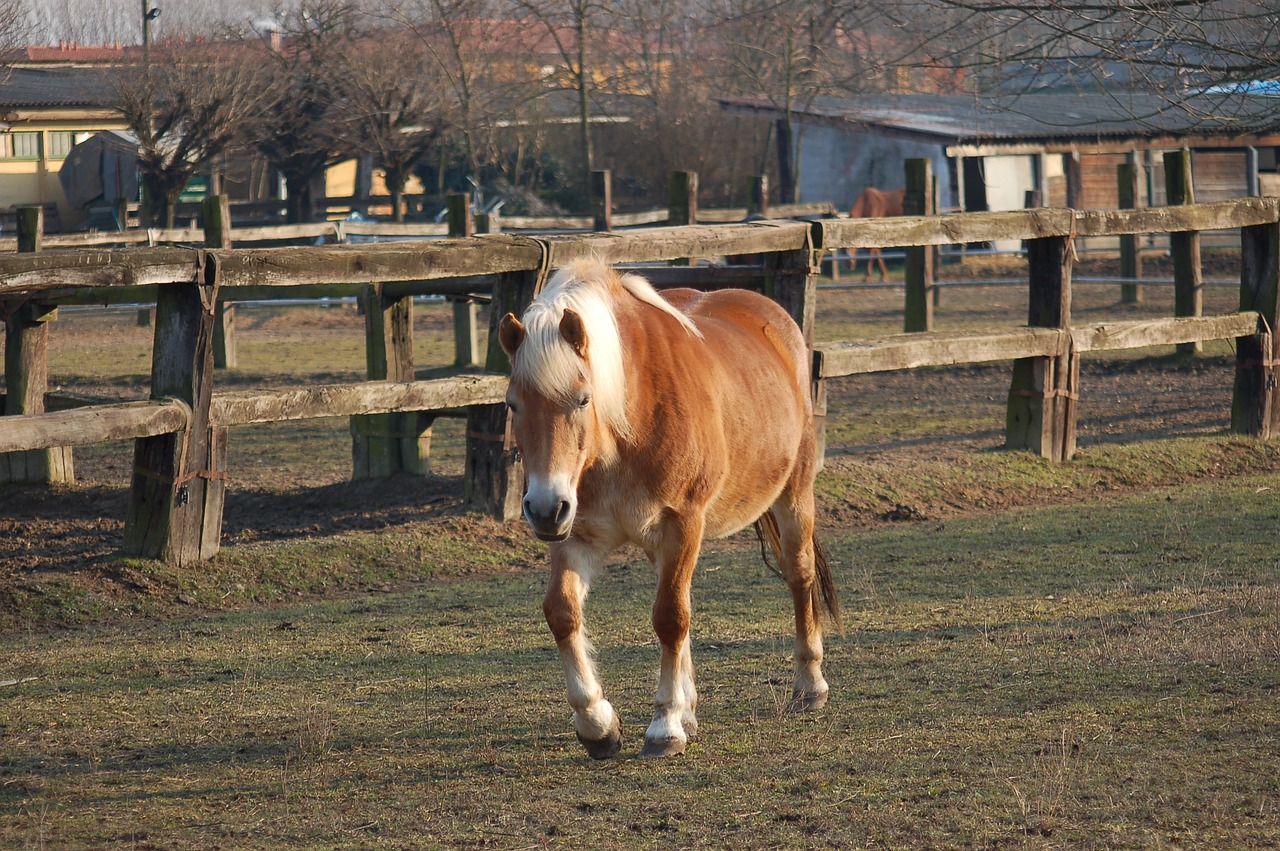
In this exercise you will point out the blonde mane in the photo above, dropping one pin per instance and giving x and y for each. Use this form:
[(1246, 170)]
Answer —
[(550, 365)]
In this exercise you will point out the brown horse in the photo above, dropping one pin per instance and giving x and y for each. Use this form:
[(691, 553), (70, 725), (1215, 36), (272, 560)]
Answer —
[(876, 204), (662, 420)]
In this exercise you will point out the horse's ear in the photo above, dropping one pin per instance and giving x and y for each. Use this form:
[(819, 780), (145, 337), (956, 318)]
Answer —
[(573, 332), (510, 334)]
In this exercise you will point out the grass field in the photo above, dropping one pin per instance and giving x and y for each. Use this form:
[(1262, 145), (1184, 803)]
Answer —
[(1072, 656), (1098, 675)]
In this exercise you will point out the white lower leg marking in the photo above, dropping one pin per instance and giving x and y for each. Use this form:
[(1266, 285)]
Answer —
[(674, 699), (593, 716)]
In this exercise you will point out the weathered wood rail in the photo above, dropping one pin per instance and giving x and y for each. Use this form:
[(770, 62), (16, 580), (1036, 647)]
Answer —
[(180, 433)]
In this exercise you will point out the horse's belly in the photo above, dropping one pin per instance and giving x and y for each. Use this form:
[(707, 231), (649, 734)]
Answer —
[(756, 476)]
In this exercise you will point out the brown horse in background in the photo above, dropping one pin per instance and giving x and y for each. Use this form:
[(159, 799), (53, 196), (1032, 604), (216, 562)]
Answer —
[(876, 204)]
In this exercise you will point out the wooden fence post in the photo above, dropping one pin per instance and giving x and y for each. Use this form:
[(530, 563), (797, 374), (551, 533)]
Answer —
[(1188, 291), (918, 265), (461, 221), (790, 279), (1041, 413), (26, 371), (494, 477), (602, 200), (1130, 259), (466, 335), (176, 498), (758, 196), (400, 442), (216, 213), (682, 198), (682, 205), (1253, 403)]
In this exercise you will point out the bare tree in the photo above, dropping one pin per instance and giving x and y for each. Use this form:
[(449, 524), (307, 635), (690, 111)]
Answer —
[(790, 52), (187, 104), (658, 54), (299, 128), (16, 27), (480, 55), (394, 104), (569, 26), (1183, 49)]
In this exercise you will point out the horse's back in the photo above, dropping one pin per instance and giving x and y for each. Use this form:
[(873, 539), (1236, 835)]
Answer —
[(741, 327), (875, 203)]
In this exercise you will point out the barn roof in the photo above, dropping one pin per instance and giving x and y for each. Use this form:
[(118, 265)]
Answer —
[(56, 87), (1042, 117)]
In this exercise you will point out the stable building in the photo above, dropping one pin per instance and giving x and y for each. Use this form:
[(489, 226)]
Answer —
[(988, 153)]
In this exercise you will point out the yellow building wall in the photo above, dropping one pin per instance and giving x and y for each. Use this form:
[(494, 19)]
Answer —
[(340, 182), (34, 180)]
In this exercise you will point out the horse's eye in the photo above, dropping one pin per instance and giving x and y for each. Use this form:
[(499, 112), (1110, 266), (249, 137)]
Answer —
[(584, 400), (511, 406)]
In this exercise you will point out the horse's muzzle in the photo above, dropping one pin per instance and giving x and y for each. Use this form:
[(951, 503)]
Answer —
[(551, 521)]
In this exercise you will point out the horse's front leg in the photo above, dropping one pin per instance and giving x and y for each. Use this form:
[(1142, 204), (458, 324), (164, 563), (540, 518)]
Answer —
[(593, 717), (676, 702)]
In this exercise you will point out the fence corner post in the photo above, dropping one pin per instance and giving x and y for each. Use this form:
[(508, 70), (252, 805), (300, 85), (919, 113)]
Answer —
[(1041, 411), (176, 495), (398, 442), (791, 279)]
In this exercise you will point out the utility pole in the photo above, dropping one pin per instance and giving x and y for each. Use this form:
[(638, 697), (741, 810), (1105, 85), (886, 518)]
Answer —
[(149, 14)]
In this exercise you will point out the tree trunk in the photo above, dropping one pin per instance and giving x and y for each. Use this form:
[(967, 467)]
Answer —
[(584, 104), (396, 180), (299, 206)]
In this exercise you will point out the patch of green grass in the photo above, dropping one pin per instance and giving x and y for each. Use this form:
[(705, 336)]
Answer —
[(1097, 675)]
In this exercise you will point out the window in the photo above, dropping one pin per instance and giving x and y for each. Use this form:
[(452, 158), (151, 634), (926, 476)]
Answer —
[(24, 146), (60, 142)]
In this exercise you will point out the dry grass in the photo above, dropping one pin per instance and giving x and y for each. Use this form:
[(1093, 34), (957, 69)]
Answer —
[(370, 669), (1087, 676)]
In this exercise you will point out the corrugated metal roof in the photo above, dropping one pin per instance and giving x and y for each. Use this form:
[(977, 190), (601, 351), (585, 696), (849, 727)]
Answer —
[(56, 87), (1050, 115)]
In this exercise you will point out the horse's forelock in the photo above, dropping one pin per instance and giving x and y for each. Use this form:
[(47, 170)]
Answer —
[(547, 363)]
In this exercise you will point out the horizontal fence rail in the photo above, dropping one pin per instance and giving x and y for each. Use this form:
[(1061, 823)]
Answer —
[(180, 433)]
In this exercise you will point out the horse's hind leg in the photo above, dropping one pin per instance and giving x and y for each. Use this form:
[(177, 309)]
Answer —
[(794, 515), (593, 717)]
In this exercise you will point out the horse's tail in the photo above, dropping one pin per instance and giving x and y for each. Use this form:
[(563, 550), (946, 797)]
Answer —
[(826, 586), (825, 595)]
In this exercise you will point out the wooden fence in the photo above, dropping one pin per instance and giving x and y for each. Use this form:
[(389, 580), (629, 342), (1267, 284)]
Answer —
[(180, 432)]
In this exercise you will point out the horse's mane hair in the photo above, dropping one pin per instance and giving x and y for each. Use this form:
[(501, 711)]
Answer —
[(591, 289)]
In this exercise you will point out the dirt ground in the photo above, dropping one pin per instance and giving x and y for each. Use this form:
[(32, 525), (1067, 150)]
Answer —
[(892, 422)]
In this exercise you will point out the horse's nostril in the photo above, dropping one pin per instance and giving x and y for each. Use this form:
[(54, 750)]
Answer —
[(562, 511)]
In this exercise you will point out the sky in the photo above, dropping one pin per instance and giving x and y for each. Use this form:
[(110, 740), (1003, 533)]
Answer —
[(105, 21)]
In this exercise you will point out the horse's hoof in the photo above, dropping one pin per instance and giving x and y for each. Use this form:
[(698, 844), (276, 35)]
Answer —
[(807, 702), (660, 748), (606, 747), (690, 726)]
